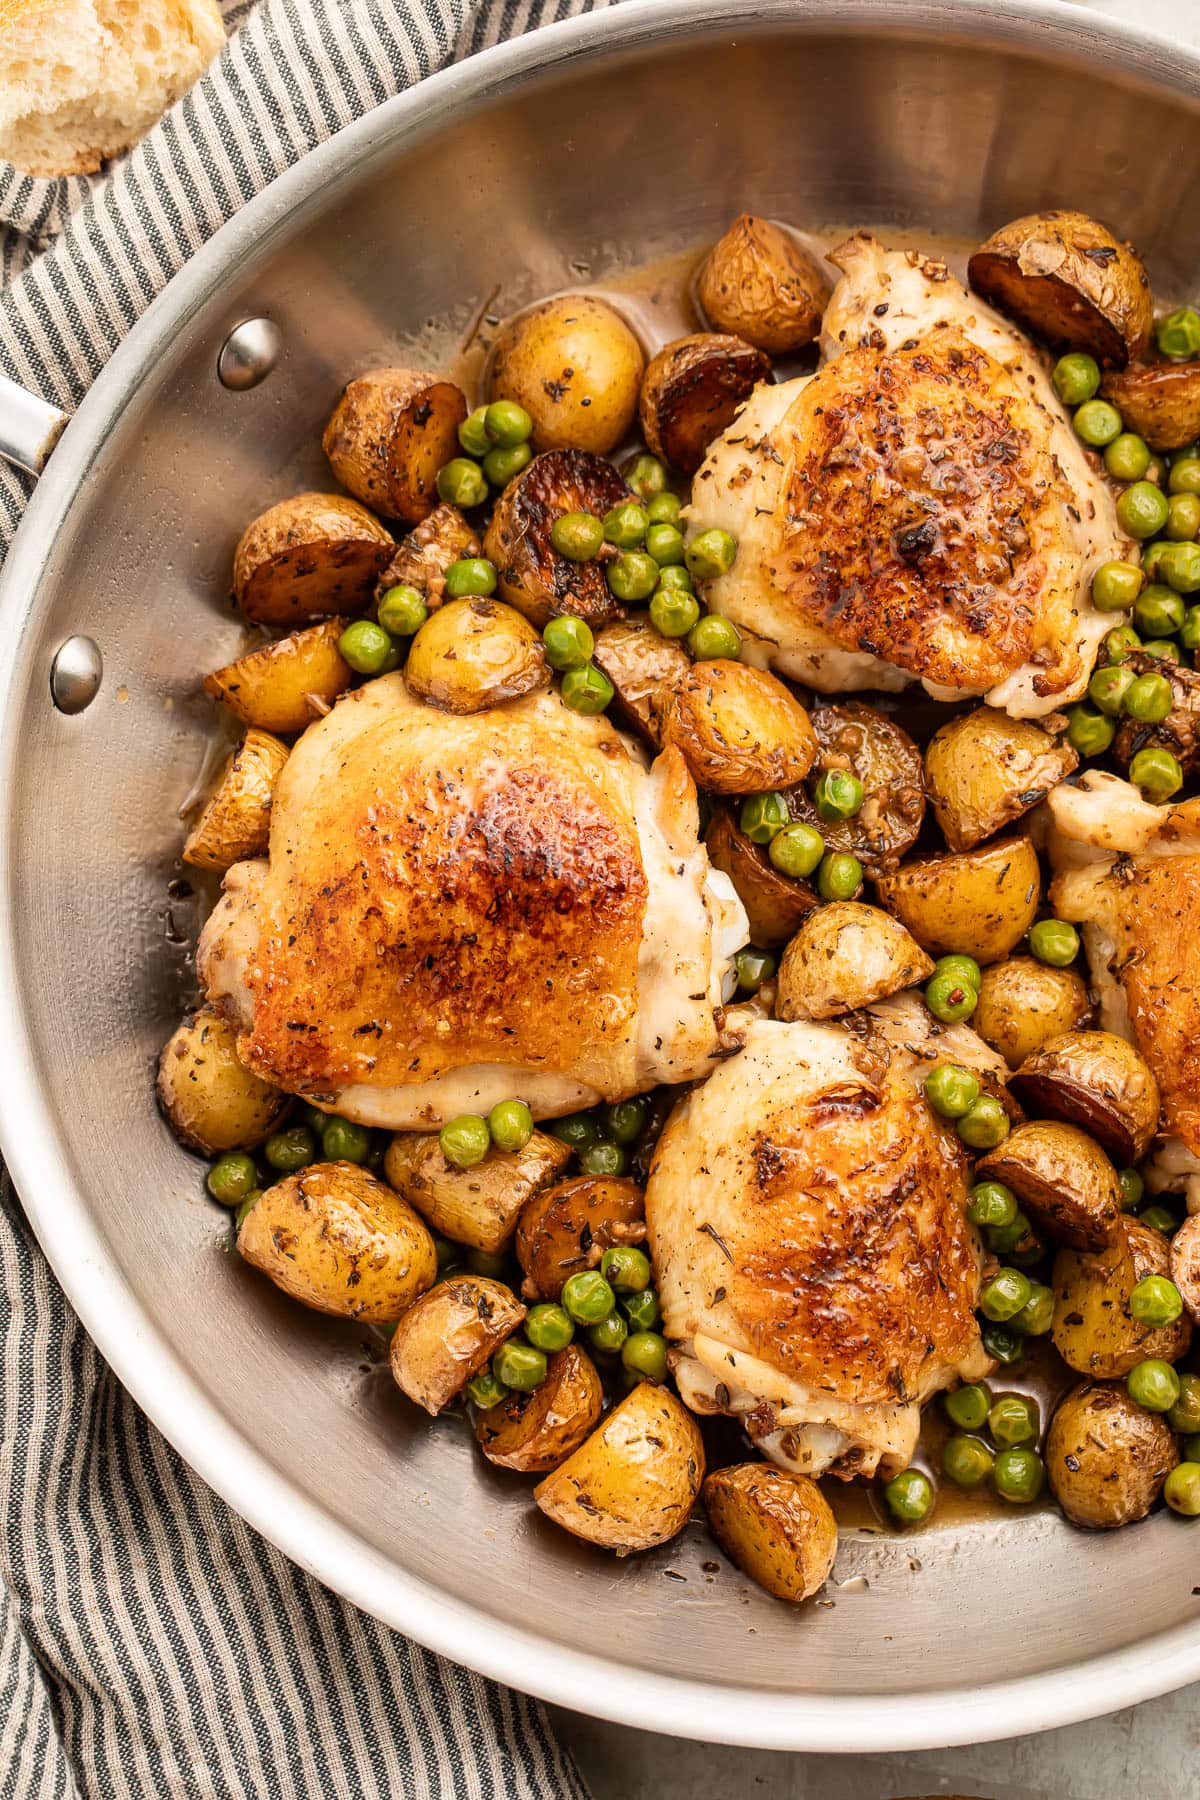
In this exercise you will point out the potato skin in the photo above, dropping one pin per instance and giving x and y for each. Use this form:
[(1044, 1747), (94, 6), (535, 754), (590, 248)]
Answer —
[(759, 284), (633, 1482), (478, 1206), (533, 577), (776, 904), (282, 687), (1023, 1003), (569, 1226), (846, 955), (534, 1432), (236, 821), (212, 1102), (473, 654), (338, 1240), (1185, 1263), (1064, 1179), (645, 669), (1097, 1080), (692, 390), (390, 433), (775, 1525), (311, 557), (1107, 1457), (1093, 1330), (448, 1335), (739, 729), (445, 536), (1160, 401), (980, 902), (872, 746), (575, 366), (1070, 282), (983, 770)]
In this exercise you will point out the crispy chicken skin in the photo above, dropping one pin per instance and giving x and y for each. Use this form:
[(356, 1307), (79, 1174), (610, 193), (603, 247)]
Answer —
[(459, 909), (919, 508), (806, 1216)]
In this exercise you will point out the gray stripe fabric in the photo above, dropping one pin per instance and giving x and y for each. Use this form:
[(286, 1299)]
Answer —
[(151, 1645)]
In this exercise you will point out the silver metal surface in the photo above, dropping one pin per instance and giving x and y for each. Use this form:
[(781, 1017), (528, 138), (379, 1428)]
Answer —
[(76, 674), (249, 354), (510, 172), (29, 427)]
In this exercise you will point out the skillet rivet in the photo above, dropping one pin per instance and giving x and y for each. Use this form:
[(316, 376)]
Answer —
[(249, 354), (75, 674)]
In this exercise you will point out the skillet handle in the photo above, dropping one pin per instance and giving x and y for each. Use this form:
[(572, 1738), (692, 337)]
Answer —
[(29, 427)]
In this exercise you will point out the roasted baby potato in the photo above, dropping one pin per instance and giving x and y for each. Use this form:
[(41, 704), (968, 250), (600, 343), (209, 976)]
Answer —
[(472, 654), (575, 366), (341, 1242), (645, 668), (422, 558), (983, 770), (846, 955), (758, 283), (691, 390), (569, 1226), (1064, 1180), (533, 1432), (888, 763), (1107, 1457), (1070, 282), (978, 902), (1023, 1002), (776, 905), (1093, 1329), (632, 1484), (236, 821), (1097, 1080), (1185, 1263), (775, 1525), (390, 433), (447, 1336), (282, 687), (1160, 401), (533, 577), (739, 729), (212, 1102), (310, 557), (476, 1206)]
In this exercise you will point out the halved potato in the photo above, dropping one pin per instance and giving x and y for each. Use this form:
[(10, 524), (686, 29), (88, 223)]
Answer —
[(282, 687), (1074, 285), (978, 902), (1099, 1081), (533, 577), (236, 821), (422, 558), (633, 1483), (1185, 1263), (1160, 401), (478, 1206), (534, 1432), (887, 762), (983, 770), (472, 654), (340, 1241), (645, 668), (846, 955), (212, 1101), (448, 1335), (776, 904), (1023, 1003), (758, 283), (1064, 1180), (569, 1226), (390, 433), (776, 1526), (574, 365), (691, 391), (310, 557), (1093, 1329), (739, 729), (1107, 1457)]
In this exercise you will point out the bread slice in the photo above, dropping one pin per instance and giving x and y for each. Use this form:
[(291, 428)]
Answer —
[(82, 80)]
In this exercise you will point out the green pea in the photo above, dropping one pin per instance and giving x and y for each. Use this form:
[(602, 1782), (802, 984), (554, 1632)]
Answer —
[(626, 1268), (519, 1366), (1157, 773), (1128, 457), (1097, 423), (642, 1310), (1149, 699), (1115, 586), (1189, 635), (1018, 1475), (664, 509), (1003, 1238), (1076, 378), (461, 482), (1028, 1251), (604, 1158), (1003, 1295), (644, 1354), (960, 968), (1166, 649), (797, 850), (607, 1337), (838, 794), (577, 536), (1002, 1343), (1155, 1301), (1189, 1448), (402, 610), (713, 637), (484, 1391), (549, 1327), (1142, 510), (1120, 641), (1184, 1416), (577, 1129), (568, 642), (1153, 1384), (762, 815), (232, 1177), (753, 967), (510, 1124), (1054, 942), (1181, 1489), (647, 476), (1183, 517), (492, 1263), (968, 1406), (1108, 687), (674, 575), (1159, 1218), (951, 1091), (1179, 566), (465, 1140), (985, 1126), (710, 554), (1151, 558), (1089, 731), (949, 999), (1184, 474), (673, 612), (507, 423), (365, 646), (501, 465), (587, 1297), (472, 433), (1037, 1315), (1132, 1188), (1158, 611), (1013, 1420), (626, 1120), (839, 877), (587, 690), (992, 1204), (909, 1496), (1178, 335), (625, 525), (665, 543), (344, 1141), (247, 1206), (632, 575), (966, 1461), (290, 1150), (470, 576)]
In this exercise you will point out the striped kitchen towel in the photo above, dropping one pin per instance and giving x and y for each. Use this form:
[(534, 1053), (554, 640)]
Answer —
[(152, 1647)]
